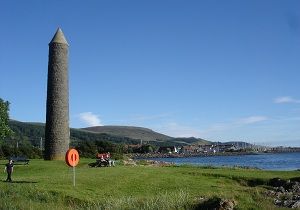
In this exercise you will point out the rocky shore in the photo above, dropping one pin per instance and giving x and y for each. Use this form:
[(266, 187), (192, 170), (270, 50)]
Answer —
[(134, 162), (286, 193)]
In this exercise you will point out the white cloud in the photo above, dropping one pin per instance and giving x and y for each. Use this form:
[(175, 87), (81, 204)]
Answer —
[(234, 124), (251, 120), (286, 99), (178, 130), (90, 119)]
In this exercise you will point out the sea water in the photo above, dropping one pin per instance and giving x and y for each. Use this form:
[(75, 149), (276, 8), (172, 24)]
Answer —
[(267, 161)]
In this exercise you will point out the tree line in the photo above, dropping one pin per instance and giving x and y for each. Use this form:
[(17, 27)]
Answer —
[(27, 139)]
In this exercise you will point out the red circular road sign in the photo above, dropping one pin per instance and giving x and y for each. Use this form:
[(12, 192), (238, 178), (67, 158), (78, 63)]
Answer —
[(72, 157)]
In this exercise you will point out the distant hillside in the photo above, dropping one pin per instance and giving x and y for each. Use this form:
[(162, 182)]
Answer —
[(192, 140), (145, 134), (132, 132), (33, 132)]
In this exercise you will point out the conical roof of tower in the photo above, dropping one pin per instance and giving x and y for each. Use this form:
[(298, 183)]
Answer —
[(59, 37)]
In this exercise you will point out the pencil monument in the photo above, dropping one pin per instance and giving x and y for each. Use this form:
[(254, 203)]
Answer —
[(57, 132)]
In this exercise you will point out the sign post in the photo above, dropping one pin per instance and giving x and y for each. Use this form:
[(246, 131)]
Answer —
[(74, 176), (72, 159)]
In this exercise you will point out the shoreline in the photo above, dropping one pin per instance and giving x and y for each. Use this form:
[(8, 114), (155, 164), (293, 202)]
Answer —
[(181, 155), (176, 155)]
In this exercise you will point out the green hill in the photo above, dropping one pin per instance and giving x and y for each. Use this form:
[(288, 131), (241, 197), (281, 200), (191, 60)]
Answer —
[(139, 133), (145, 134), (33, 132), (191, 140)]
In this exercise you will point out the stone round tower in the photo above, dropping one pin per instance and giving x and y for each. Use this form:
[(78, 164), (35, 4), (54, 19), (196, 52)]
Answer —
[(57, 131)]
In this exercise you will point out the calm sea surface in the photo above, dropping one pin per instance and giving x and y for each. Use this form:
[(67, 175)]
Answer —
[(276, 161)]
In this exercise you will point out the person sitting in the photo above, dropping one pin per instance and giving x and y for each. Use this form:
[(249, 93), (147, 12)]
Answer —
[(102, 158)]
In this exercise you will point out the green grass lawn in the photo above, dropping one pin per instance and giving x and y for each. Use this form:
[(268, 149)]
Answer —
[(49, 185)]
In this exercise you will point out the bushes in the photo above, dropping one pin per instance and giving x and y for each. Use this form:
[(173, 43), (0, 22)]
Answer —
[(28, 151), (87, 149)]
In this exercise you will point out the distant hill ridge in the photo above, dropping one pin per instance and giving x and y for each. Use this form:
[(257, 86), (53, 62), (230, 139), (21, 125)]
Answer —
[(33, 131), (133, 132)]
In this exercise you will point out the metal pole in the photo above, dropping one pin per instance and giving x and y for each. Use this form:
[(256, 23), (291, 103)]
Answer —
[(74, 176)]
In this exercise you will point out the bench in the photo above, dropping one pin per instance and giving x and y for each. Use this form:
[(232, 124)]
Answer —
[(20, 160)]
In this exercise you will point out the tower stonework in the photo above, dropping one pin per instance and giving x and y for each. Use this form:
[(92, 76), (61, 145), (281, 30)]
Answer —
[(57, 131)]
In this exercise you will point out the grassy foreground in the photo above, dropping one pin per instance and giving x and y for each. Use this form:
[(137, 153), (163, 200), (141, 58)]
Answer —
[(49, 185)]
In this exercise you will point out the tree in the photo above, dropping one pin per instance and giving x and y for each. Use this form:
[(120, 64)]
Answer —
[(4, 118)]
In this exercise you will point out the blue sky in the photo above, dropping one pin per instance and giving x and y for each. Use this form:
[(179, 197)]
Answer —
[(220, 70)]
